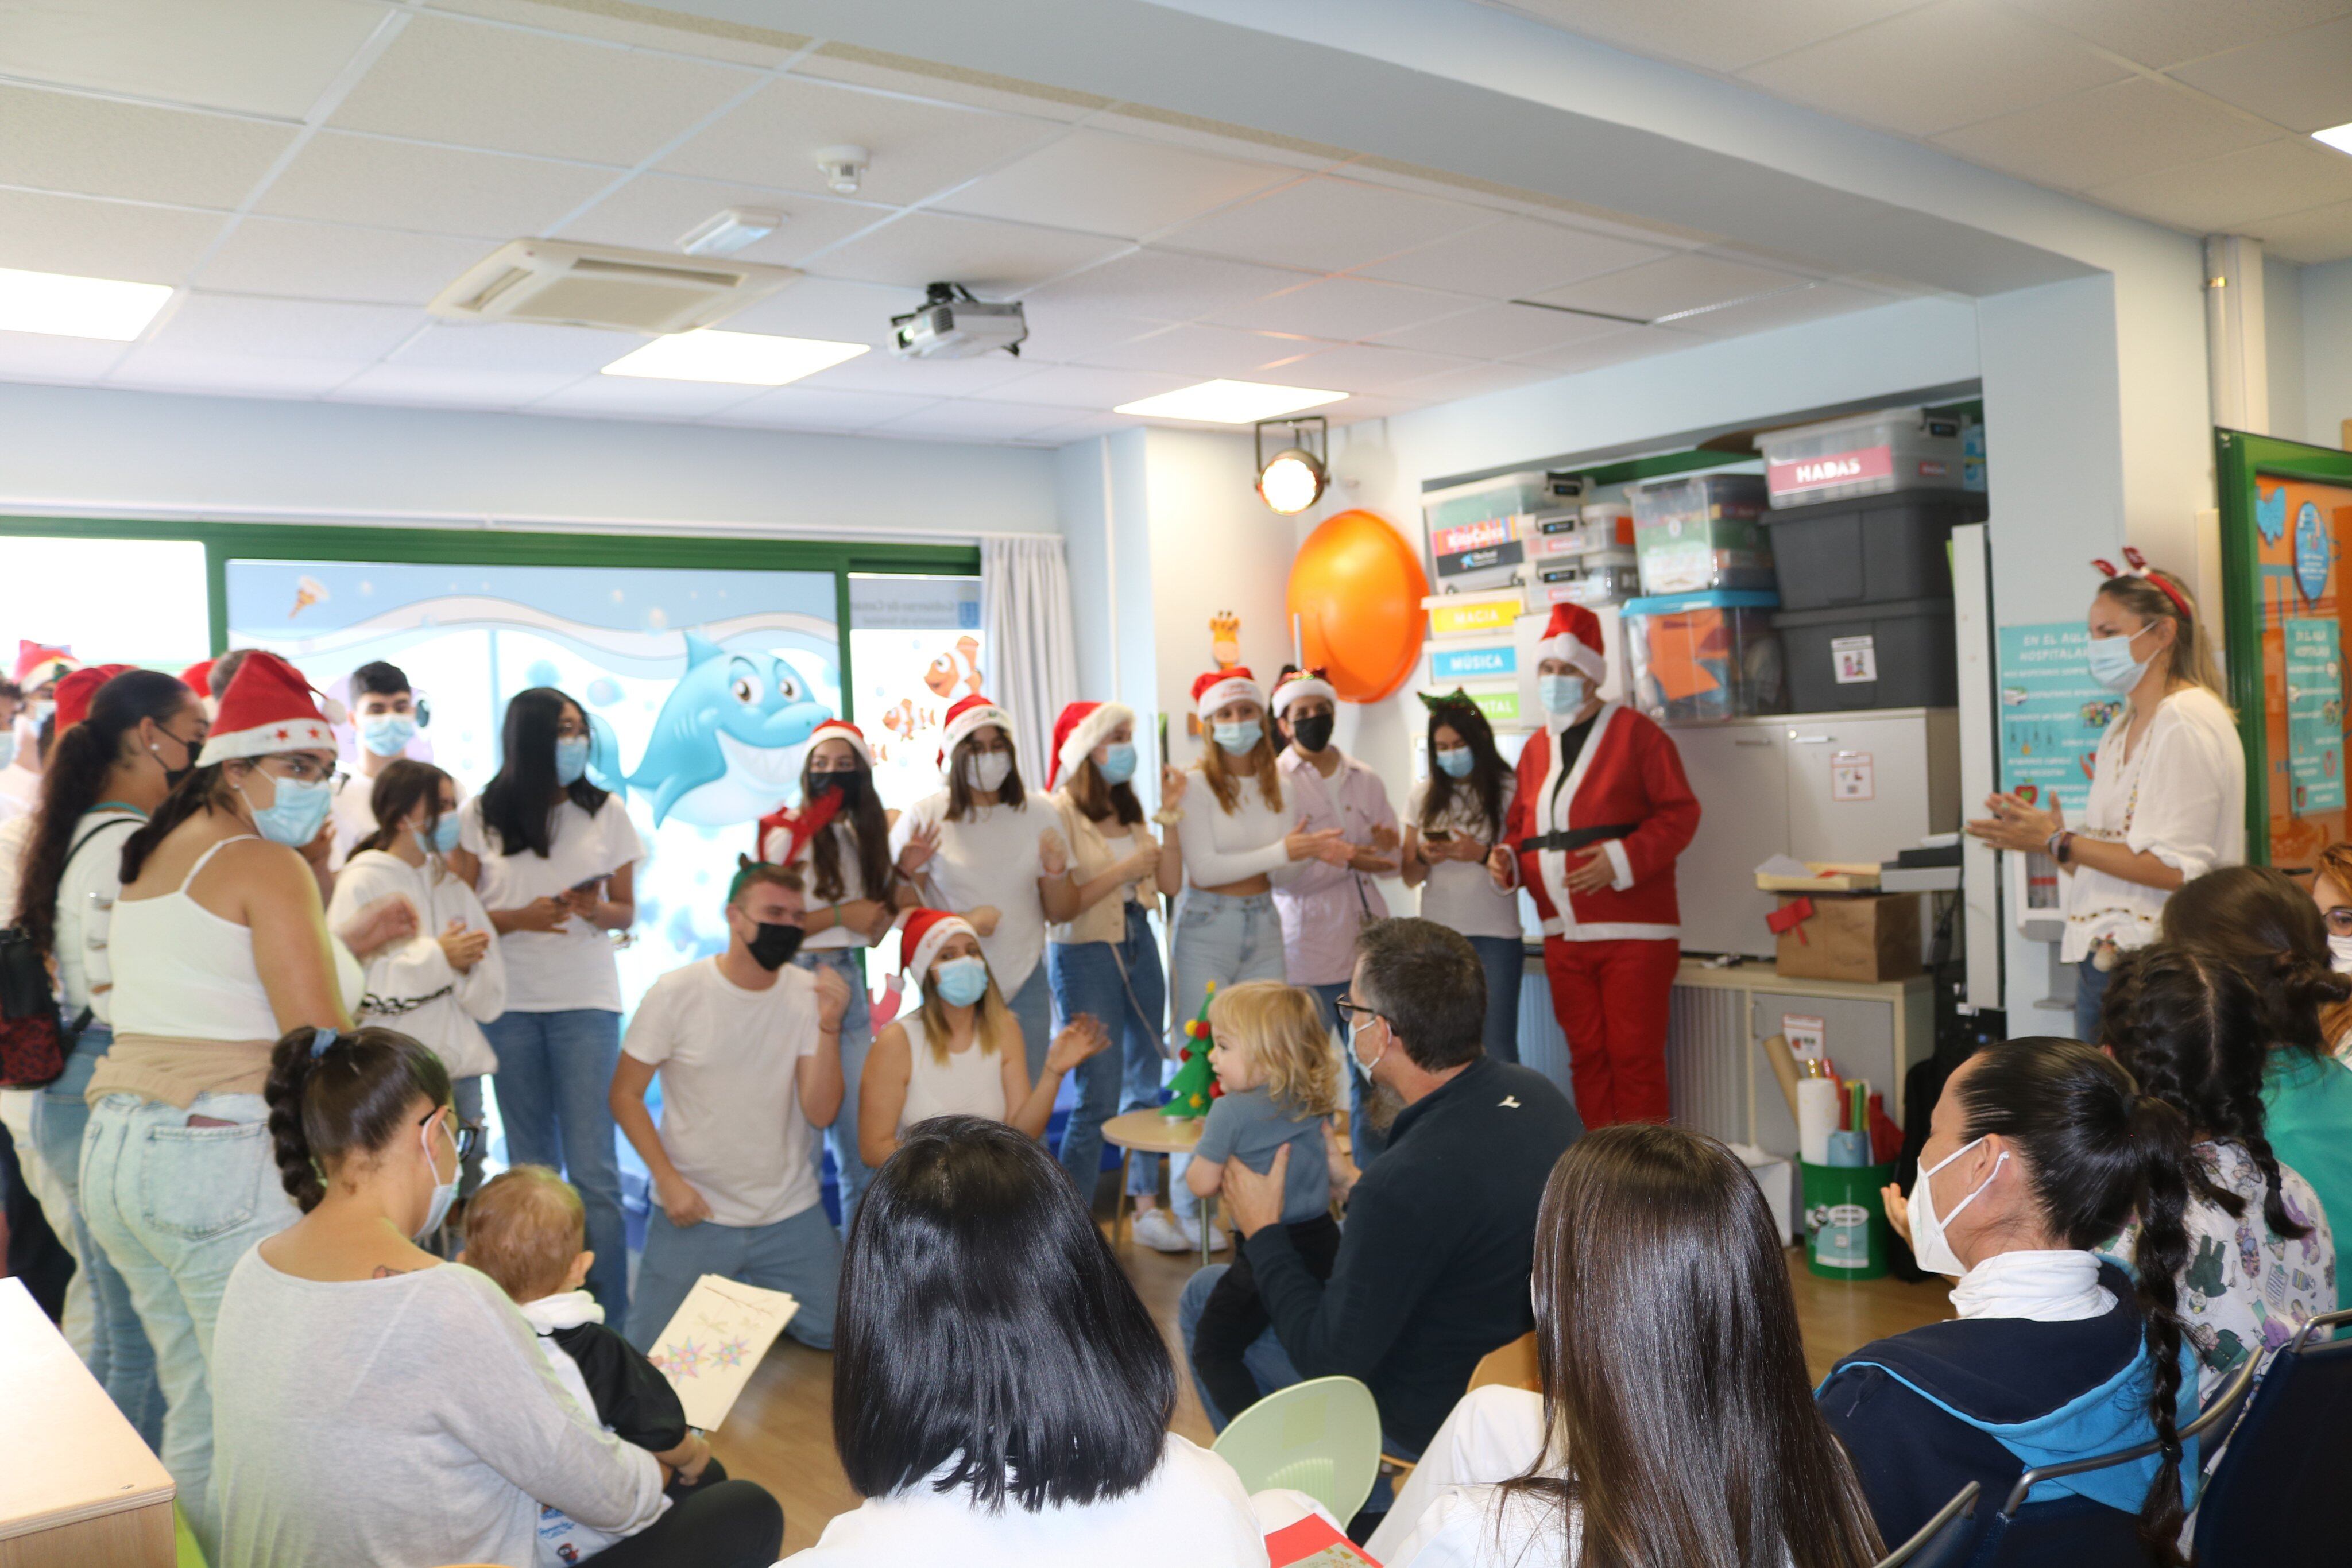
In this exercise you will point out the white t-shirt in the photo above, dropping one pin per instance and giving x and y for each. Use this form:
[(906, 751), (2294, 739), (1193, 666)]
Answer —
[(15, 839), (732, 1118), (853, 887), (1459, 894), (354, 803), (1192, 1513), (990, 859), (85, 895), (555, 971), (20, 791)]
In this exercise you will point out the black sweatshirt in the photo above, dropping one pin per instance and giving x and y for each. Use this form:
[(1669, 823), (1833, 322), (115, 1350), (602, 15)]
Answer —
[(1436, 1254), (633, 1398)]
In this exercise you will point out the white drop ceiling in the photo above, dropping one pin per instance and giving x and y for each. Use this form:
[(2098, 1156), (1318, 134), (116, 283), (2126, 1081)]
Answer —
[(309, 172), (2194, 113)]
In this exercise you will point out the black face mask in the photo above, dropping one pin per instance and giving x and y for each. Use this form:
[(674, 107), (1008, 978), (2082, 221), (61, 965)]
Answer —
[(773, 948), (849, 783), (172, 775), (1315, 733)]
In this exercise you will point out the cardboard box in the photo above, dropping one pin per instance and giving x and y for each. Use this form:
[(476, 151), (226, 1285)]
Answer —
[(1861, 937)]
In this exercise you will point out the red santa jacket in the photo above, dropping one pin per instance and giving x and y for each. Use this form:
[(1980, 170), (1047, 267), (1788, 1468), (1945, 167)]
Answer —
[(1628, 775)]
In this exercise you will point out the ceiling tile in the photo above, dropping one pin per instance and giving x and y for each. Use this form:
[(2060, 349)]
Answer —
[(1632, 343), (1513, 259), (446, 79), (1475, 381), (571, 352), (2323, 234), (919, 149), (1343, 308), (1207, 353), (1930, 70), (1326, 224), (1499, 332), (1362, 368), (882, 371), (675, 33), (90, 146), (241, 324), (1083, 427), (969, 420), (987, 256), (2131, 127), (1786, 309), (945, 84), (152, 365), (427, 386), (1062, 334), (1216, 136), (101, 240), (1161, 286), (439, 190), (642, 397), (1706, 32), (652, 212), (264, 56), (1113, 185), (2166, 32), (333, 261), (836, 309), (1069, 386), (44, 357), (2303, 81), (1658, 288), (2227, 193), (800, 407)]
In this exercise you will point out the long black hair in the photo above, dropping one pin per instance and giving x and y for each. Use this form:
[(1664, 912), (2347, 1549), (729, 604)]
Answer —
[(869, 830), (2259, 922), (515, 802), (403, 782), (2096, 1150), (986, 1331), (2187, 1027), (76, 772), (1487, 774), (352, 1098)]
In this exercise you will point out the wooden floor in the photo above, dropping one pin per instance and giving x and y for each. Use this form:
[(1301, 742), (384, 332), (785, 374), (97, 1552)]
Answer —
[(781, 1432)]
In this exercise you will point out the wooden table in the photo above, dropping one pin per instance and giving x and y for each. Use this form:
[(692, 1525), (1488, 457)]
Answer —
[(78, 1487), (1149, 1133)]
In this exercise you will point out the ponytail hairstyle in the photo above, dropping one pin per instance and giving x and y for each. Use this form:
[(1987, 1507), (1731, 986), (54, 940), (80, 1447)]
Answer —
[(72, 783), (403, 782), (334, 1096), (2259, 922), (2190, 658), (2097, 1151), (2189, 1029)]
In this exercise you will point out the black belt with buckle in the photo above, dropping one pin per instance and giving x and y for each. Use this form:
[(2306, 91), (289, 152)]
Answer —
[(1566, 839)]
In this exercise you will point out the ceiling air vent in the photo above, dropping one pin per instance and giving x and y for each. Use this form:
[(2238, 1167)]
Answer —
[(548, 280)]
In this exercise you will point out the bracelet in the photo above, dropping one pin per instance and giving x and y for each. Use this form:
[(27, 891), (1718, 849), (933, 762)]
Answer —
[(2057, 844)]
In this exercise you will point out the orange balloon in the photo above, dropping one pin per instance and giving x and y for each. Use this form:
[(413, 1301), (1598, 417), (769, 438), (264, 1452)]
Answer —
[(1356, 588)]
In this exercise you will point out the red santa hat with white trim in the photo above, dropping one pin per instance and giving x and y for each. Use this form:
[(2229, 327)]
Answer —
[(269, 708), (38, 664), (1573, 634), (922, 933), (841, 729), (975, 712), (1081, 729), (1218, 687), (1293, 685), (78, 690)]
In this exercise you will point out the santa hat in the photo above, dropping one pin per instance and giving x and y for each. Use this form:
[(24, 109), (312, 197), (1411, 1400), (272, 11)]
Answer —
[(841, 729), (1081, 729), (923, 932), (975, 712), (77, 691), (269, 708), (1218, 687), (785, 832), (1293, 685), (38, 665), (1573, 634), (198, 677)]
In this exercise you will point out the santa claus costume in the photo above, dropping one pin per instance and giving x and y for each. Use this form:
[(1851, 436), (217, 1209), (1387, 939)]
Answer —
[(1602, 786)]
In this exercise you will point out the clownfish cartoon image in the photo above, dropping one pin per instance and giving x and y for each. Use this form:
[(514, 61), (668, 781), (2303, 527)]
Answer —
[(959, 666)]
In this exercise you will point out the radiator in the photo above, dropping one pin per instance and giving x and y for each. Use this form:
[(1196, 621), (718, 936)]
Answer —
[(1706, 1052)]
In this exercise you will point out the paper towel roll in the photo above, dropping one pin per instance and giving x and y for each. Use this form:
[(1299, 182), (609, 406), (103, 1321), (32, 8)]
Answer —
[(1817, 1118)]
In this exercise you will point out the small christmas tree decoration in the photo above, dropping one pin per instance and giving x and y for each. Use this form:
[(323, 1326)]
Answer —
[(1195, 1083)]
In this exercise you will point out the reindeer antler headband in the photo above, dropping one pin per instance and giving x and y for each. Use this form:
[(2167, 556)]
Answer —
[(2139, 567)]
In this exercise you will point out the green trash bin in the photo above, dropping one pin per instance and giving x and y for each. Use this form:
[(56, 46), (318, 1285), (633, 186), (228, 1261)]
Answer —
[(1846, 1233)]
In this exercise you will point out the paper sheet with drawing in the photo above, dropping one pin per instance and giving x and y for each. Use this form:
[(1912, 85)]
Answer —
[(715, 1340)]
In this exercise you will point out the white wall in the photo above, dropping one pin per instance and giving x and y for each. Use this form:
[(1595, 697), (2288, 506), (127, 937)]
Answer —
[(2326, 352), (2283, 346)]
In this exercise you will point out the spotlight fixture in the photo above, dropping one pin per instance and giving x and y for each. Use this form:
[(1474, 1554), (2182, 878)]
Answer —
[(1293, 478)]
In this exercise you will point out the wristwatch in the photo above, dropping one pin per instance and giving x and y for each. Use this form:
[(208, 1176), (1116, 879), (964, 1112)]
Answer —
[(2058, 843)]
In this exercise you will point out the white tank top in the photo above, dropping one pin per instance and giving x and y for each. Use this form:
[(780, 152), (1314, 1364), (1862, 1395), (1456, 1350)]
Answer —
[(184, 973), (970, 1082)]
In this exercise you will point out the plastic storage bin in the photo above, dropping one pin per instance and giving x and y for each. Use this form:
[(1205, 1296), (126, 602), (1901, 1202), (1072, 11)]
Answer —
[(1700, 534), (1704, 656), (1864, 551), (1900, 654), (1868, 454), (1594, 579), (1502, 495)]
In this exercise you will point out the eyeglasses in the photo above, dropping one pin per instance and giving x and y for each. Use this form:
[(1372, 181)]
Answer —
[(466, 1135), (2339, 919), (1349, 1009)]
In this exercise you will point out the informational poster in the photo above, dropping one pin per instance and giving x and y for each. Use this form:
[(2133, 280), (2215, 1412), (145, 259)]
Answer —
[(2052, 714), (2314, 713)]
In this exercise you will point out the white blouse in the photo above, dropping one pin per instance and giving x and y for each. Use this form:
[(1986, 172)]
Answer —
[(411, 986), (2181, 797)]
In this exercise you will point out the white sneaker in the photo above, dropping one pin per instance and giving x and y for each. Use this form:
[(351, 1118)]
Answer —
[(1157, 1230), (1192, 1223)]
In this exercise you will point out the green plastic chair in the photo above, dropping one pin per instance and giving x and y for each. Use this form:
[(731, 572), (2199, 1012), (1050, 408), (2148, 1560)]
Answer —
[(1321, 1437), (190, 1555)]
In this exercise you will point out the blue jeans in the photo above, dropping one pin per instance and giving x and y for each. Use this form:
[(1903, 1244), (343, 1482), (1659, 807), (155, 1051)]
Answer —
[(850, 1174), (2090, 991), (554, 1083), (175, 1206), (1033, 1010), (119, 1357), (1505, 959), (799, 1254), (1364, 1141), (1087, 978), (1221, 938)]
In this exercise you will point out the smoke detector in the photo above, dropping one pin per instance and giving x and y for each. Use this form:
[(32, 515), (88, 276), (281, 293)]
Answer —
[(843, 166)]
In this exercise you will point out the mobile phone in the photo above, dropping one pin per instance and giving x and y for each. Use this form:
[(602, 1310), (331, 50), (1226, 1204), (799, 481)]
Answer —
[(589, 885), (1437, 835)]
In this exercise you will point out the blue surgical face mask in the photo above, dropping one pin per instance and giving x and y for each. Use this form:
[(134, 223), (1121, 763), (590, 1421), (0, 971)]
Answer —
[(1117, 765), (1238, 738), (1561, 694), (961, 982), (386, 734), (295, 815), (1364, 1069), (444, 837), (2111, 661), (444, 1193), (571, 759), (1454, 761), (7, 747)]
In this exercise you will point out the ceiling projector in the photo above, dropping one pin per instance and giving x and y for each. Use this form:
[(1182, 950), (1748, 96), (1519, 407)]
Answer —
[(952, 325)]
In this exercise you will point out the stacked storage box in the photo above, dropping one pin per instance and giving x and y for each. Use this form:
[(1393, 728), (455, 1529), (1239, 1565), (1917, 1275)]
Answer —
[(1700, 532), (1700, 642), (1584, 557)]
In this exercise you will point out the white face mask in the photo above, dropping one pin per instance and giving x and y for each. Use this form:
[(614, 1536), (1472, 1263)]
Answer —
[(1929, 1244), (1363, 1069), (987, 770), (2339, 950)]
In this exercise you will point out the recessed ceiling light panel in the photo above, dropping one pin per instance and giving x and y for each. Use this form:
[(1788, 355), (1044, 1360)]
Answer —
[(2336, 136), (62, 306), (743, 359), (1230, 403)]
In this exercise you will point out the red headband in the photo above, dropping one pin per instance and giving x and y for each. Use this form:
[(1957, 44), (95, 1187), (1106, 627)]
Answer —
[(2139, 565)]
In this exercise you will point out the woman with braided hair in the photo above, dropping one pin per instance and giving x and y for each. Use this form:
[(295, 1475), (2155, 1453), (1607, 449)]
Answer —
[(2038, 1150), (2262, 1260)]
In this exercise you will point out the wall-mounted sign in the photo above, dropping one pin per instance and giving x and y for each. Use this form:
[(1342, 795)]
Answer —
[(1451, 666), (1472, 614), (1501, 707)]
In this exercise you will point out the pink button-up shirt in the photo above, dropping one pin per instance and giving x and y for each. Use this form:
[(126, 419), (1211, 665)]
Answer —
[(1322, 906)]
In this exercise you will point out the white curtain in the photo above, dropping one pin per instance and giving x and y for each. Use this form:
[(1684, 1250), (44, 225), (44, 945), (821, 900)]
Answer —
[(1031, 646)]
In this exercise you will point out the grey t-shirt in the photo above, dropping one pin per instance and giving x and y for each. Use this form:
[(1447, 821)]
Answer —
[(1249, 1125)]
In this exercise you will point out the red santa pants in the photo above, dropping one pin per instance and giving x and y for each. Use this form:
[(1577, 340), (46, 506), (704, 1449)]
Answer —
[(1611, 998)]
